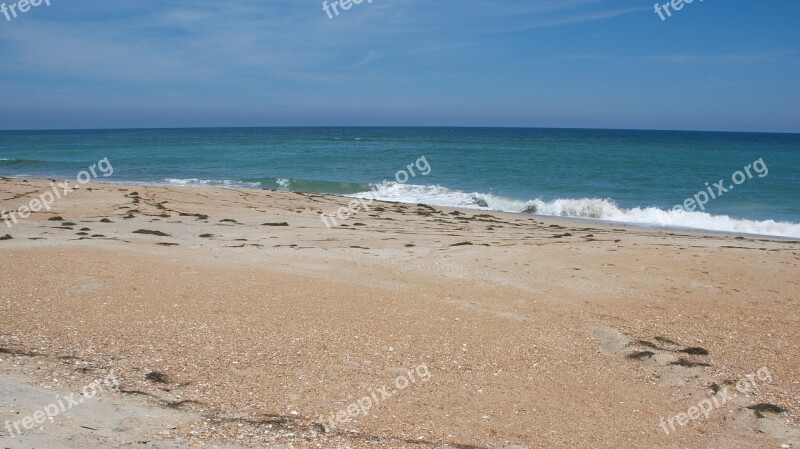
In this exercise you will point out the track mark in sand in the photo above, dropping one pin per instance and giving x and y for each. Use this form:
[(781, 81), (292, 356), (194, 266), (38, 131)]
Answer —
[(695, 351), (670, 361), (671, 364), (688, 363), (20, 195), (462, 244), (18, 353), (669, 368), (135, 392), (149, 232), (197, 216), (762, 408), (639, 355), (157, 377)]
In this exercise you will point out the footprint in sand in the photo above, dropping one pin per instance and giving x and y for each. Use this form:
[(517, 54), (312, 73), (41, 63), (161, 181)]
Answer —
[(682, 367)]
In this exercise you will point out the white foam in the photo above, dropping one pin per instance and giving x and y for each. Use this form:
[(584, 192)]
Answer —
[(210, 183), (590, 208)]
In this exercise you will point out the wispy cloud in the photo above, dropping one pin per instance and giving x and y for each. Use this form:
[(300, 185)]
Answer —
[(579, 18)]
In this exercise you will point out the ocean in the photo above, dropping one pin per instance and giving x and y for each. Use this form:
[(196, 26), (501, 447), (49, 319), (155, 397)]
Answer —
[(636, 177)]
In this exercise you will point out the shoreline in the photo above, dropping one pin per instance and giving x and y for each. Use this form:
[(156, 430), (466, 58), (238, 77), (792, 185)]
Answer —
[(572, 220)]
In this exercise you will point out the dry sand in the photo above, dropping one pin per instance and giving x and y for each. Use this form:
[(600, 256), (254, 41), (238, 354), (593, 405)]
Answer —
[(239, 318)]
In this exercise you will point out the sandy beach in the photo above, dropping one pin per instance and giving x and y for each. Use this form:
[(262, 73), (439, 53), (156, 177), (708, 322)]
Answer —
[(236, 318)]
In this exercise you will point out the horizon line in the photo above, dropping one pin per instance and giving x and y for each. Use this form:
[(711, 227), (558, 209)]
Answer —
[(566, 128)]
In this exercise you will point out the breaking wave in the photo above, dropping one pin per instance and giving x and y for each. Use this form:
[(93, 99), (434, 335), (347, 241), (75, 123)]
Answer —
[(587, 208)]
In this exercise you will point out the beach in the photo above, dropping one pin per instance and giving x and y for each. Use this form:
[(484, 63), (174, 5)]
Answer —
[(251, 323)]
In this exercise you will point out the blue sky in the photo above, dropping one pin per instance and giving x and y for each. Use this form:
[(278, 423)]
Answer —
[(714, 65)]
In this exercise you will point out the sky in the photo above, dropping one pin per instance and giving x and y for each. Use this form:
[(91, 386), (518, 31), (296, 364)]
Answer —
[(722, 65)]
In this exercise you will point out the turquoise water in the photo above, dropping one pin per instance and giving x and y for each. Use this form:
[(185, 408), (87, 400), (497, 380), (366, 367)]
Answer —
[(626, 176)]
